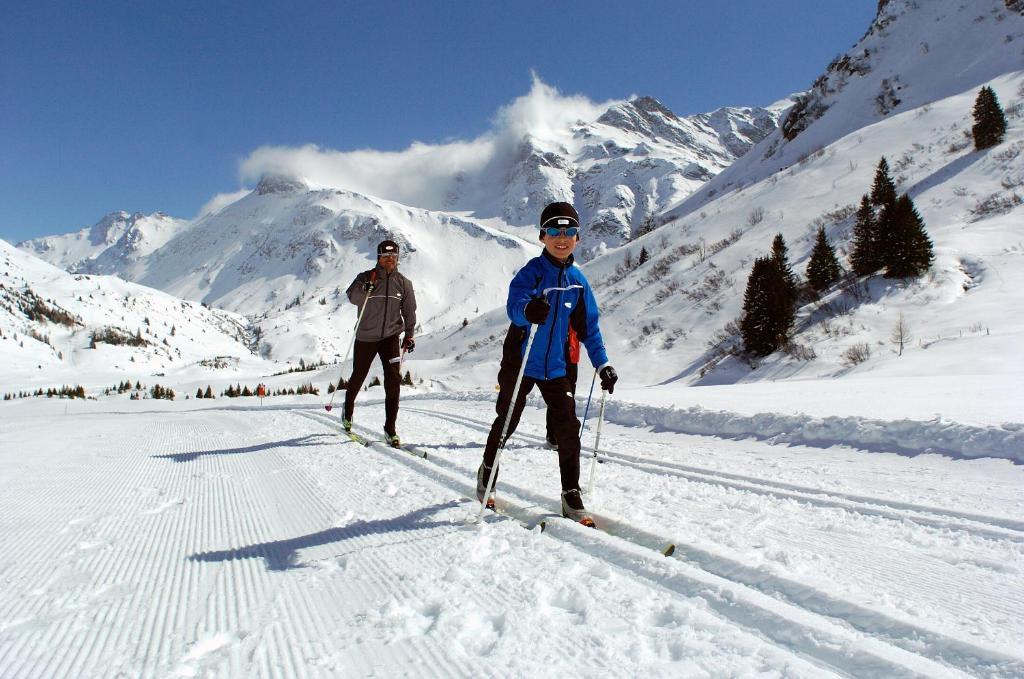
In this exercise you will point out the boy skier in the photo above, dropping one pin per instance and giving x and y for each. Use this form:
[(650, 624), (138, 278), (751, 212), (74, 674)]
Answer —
[(390, 309), (553, 315)]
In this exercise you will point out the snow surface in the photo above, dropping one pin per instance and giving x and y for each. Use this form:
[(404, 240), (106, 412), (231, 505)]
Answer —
[(227, 540)]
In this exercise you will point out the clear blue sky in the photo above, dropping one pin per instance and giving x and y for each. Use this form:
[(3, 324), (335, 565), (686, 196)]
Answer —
[(146, 106)]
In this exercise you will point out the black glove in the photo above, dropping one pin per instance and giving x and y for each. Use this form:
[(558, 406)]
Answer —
[(537, 310), (368, 286), (608, 379), (409, 345)]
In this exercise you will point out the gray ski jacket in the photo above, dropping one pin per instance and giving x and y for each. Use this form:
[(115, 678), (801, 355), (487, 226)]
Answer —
[(390, 309)]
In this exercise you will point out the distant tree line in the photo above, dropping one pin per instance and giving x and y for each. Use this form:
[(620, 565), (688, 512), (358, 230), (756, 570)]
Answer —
[(77, 391)]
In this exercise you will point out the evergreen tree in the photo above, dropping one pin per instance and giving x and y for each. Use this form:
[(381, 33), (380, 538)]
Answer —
[(199, 392), (644, 256), (208, 393), (823, 269), (407, 380), (780, 255), (911, 254), (767, 308), (865, 258), (883, 190), (989, 120)]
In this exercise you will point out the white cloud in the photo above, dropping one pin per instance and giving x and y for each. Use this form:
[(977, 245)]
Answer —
[(423, 175), (221, 201)]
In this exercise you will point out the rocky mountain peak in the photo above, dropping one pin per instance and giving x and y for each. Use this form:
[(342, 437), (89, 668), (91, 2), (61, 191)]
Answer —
[(275, 183)]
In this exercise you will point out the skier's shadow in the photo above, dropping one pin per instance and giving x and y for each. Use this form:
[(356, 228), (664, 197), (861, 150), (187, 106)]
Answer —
[(308, 440), (281, 555)]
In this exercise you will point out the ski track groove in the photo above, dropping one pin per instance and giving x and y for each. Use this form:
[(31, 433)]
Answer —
[(967, 657), (267, 614), (759, 618), (994, 527), (491, 599), (419, 552)]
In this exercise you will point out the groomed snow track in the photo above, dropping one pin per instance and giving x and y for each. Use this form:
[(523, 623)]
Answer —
[(235, 542)]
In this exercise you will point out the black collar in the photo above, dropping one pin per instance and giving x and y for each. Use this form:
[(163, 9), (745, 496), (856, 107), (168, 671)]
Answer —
[(554, 261)]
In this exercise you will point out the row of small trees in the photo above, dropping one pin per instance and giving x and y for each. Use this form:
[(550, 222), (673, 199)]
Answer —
[(77, 391), (235, 391)]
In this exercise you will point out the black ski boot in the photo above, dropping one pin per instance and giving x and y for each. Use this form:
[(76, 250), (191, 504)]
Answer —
[(483, 474)]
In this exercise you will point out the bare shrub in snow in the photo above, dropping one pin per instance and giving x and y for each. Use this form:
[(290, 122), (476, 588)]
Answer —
[(799, 352), (756, 216), (1010, 152), (996, 204), (856, 354)]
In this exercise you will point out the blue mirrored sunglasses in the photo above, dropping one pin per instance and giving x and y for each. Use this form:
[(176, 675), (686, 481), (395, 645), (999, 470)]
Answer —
[(569, 231)]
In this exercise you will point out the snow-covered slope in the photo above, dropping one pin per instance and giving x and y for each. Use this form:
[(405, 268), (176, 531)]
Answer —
[(666, 320), (48, 319), (110, 246), (914, 53)]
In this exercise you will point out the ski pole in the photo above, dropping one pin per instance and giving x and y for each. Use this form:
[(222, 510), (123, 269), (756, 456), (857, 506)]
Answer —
[(504, 428), (597, 443), (362, 310), (587, 409), (512, 407)]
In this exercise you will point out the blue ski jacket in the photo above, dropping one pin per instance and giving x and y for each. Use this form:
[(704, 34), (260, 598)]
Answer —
[(577, 307)]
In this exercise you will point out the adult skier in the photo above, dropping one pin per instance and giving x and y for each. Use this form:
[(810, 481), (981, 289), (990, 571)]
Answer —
[(390, 309), (574, 306)]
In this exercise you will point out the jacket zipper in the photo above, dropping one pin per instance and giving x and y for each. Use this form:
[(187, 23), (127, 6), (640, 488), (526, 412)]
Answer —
[(384, 320), (551, 332)]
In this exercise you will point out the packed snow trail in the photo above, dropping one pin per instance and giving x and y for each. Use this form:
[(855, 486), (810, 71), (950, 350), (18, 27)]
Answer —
[(259, 542)]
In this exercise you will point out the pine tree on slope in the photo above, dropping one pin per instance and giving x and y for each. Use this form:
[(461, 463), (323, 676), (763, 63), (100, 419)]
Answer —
[(883, 197), (911, 254), (767, 308), (780, 255), (989, 120), (823, 269), (865, 258)]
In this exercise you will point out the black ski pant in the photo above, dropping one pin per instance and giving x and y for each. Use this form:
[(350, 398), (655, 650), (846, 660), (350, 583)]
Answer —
[(390, 357), (571, 372), (561, 406)]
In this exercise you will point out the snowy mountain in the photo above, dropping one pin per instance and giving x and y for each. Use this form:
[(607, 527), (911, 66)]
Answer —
[(284, 253), (110, 246), (61, 328), (913, 54), (621, 169), (669, 319)]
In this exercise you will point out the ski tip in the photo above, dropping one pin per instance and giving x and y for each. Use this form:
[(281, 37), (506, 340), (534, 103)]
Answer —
[(670, 550)]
